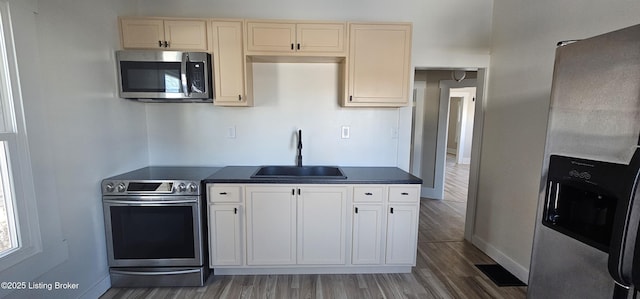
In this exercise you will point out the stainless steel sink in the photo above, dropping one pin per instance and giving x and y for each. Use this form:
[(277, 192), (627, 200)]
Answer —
[(299, 172)]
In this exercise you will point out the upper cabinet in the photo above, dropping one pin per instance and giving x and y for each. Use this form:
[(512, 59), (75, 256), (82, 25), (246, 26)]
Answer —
[(374, 58), (232, 74), (163, 34), (284, 38), (379, 65)]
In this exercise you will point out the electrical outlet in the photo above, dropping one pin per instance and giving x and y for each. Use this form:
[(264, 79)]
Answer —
[(231, 132), (394, 133), (345, 132)]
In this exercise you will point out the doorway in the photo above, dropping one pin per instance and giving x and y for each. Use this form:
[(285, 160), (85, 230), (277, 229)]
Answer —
[(433, 93)]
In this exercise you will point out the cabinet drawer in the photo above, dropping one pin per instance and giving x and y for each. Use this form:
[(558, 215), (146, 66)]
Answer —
[(368, 194), (407, 193), (228, 193)]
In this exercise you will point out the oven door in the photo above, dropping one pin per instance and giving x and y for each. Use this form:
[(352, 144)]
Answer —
[(153, 231)]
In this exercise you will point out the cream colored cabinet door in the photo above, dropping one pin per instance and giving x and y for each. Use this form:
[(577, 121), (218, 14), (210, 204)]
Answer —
[(322, 217), (402, 234), (142, 33), (271, 37), (320, 38), (367, 234), (379, 65), (229, 65), (154, 33), (225, 235), (186, 34), (296, 39), (271, 225)]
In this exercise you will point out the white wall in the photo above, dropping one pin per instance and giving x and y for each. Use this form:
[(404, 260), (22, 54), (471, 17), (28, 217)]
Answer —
[(522, 54), (79, 132), (288, 97)]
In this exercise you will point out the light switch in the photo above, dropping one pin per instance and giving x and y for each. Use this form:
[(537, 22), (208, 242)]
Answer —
[(345, 132)]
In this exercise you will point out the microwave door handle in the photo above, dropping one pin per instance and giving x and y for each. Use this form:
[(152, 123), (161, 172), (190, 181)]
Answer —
[(183, 74)]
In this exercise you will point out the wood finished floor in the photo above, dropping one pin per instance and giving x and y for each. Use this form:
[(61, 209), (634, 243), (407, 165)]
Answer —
[(444, 267)]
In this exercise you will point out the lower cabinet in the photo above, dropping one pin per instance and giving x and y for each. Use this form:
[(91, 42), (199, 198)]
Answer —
[(226, 225), (289, 225), (322, 217), (402, 234), (271, 225), (367, 234), (225, 235), (264, 226)]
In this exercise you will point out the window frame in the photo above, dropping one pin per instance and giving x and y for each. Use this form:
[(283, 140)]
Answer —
[(18, 157)]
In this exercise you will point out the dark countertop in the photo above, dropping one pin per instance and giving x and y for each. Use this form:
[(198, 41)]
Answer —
[(191, 173), (355, 175)]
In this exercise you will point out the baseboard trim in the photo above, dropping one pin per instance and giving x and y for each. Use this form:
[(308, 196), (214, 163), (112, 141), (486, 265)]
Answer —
[(312, 270), (430, 193), (516, 269), (98, 289)]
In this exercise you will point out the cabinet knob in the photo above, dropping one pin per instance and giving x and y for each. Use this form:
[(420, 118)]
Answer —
[(291, 46), (350, 98), (235, 210), (356, 210), (166, 44), (160, 43), (391, 210), (298, 46), (239, 97)]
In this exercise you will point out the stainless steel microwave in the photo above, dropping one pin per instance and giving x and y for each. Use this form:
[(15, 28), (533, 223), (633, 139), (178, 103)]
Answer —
[(165, 76)]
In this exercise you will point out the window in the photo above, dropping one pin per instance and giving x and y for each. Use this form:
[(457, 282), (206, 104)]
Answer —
[(19, 230), (8, 234)]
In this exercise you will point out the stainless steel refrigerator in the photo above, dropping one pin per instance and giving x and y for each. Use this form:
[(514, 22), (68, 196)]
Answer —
[(589, 202)]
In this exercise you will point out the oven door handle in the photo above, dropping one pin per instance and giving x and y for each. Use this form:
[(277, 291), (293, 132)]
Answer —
[(153, 273), (146, 202)]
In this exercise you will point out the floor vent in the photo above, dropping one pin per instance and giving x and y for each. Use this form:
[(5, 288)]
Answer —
[(500, 276)]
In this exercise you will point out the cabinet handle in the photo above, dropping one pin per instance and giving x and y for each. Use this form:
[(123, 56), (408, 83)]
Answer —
[(223, 193), (166, 44), (293, 191), (239, 97), (368, 194), (298, 46), (350, 98), (356, 210), (235, 210), (391, 210), (160, 43), (298, 191), (291, 46), (404, 193)]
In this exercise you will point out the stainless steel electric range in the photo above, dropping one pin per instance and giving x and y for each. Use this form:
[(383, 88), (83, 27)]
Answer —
[(154, 221)]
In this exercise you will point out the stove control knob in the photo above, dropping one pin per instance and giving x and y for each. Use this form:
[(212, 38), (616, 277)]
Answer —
[(121, 187), (193, 187), (182, 187), (109, 187)]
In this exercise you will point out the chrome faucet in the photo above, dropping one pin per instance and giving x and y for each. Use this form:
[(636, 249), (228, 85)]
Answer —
[(299, 156)]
